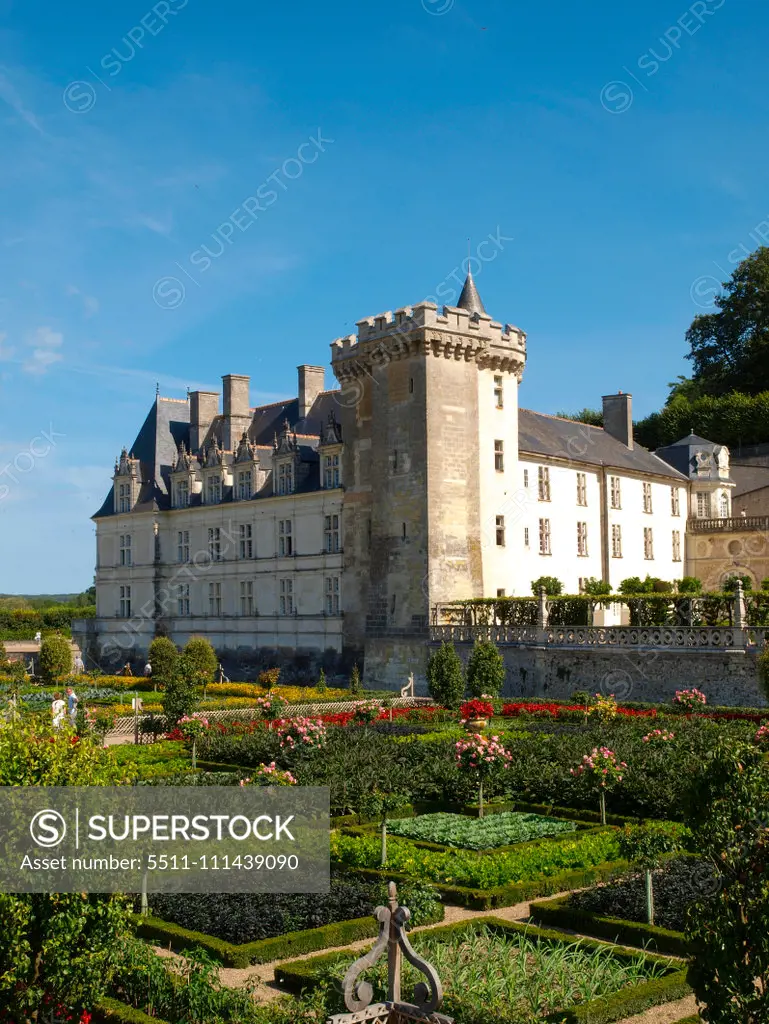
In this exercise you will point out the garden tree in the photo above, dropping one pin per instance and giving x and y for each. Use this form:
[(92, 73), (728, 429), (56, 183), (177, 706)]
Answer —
[(690, 585), (200, 660), (63, 948), (550, 584), (647, 845), (445, 679), (729, 349), (356, 687), (649, 585), (593, 587), (729, 585), (55, 658), (734, 419), (729, 932), (485, 670), (163, 657), (592, 416), (180, 696), (390, 791)]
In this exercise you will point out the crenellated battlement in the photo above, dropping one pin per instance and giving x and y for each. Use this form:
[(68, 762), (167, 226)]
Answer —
[(426, 326)]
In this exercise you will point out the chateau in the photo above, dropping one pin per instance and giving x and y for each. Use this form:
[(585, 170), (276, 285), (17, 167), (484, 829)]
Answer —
[(328, 527)]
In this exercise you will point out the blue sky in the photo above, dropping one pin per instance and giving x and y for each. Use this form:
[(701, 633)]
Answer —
[(616, 152)]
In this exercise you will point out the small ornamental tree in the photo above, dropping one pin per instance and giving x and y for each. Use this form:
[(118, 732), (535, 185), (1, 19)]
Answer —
[(728, 931), (163, 656), (445, 679), (55, 658), (690, 700), (321, 686), (180, 696), (485, 670), (690, 585), (269, 775), (604, 708), (484, 757), (192, 728), (302, 734), (601, 771), (593, 587), (200, 661), (550, 584), (356, 687), (271, 707), (366, 712), (729, 585), (646, 845)]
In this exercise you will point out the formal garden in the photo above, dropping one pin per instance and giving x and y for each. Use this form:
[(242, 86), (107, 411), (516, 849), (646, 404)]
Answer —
[(564, 861)]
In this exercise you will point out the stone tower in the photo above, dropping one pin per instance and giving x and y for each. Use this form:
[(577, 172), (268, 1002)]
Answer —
[(430, 422)]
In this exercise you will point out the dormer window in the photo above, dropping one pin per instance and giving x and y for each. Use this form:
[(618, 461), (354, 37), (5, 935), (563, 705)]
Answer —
[(182, 494), (285, 478), (331, 475), (124, 498), (214, 490), (245, 484)]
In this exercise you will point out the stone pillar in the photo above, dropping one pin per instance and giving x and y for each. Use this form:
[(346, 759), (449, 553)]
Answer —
[(542, 609), (740, 617)]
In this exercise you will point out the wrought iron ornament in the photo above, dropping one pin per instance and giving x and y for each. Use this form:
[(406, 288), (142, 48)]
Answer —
[(358, 995)]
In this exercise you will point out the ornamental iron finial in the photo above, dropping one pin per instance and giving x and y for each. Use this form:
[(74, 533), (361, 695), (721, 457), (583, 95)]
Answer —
[(358, 995)]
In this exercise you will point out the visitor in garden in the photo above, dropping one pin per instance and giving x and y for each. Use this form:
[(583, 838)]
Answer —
[(127, 669), (71, 705), (38, 637), (57, 711), (79, 666), (148, 669)]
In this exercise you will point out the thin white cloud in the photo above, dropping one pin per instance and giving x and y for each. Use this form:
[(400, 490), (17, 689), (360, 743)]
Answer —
[(159, 227), (45, 344), (9, 94), (90, 302)]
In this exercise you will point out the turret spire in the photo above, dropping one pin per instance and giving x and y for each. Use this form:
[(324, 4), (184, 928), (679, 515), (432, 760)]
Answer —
[(470, 299)]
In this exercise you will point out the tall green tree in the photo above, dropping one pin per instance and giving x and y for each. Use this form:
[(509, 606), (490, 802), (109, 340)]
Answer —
[(445, 678), (163, 657), (55, 658), (729, 349), (485, 670)]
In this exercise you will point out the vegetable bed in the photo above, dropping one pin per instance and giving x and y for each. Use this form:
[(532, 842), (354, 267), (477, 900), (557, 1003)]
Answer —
[(457, 830), (494, 972)]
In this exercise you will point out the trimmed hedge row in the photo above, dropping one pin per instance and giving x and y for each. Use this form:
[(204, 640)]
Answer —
[(112, 1011), (341, 933), (557, 912), (506, 895), (302, 975)]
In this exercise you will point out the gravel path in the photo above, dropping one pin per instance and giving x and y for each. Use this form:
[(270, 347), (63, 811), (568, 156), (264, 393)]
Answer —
[(670, 1013)]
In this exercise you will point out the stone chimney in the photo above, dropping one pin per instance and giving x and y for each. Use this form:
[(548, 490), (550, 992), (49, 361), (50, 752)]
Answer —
[(204, 407), (311, 383), (237, 410), (618, 417)]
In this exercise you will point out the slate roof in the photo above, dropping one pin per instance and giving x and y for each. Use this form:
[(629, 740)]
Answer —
[(749, 478), (168, 424), (470, 298), (541, 434), (682, 454)]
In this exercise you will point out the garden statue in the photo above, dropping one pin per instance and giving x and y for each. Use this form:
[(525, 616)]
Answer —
[(358, 997)]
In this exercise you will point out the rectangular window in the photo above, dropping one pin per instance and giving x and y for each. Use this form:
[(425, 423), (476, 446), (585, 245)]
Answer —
[(124, 498), (499, 395), (247, 598), (246, 541), (647, 497), (675, 501), (543, 483), (125, 602), (544, 537), (648, 543), (526, 536), (525, 478), (331, 471), (499, 456), (703, 504), (581, 488), (500, 531), (125, 548), (676, 546), (501, 593), (245, 485), (183, 599), (723, 506), (214, 543), (215, 599), (285, 478), (286, 597), (616, 541), (183, 546), (285, 538), (615, 492), (332, 595), (582, 539), (331, 533), (182, 494), (214, 493)]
